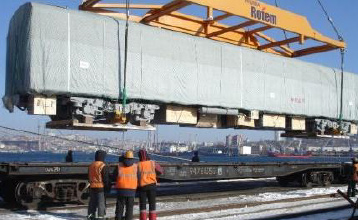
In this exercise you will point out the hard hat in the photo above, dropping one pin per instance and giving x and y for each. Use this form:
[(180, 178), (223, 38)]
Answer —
[(355, 160), (129, 155)]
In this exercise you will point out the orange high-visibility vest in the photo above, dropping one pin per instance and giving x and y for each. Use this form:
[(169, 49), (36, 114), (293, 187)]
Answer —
[(95, 174), (355, 172), (127, 177), (147, 173)]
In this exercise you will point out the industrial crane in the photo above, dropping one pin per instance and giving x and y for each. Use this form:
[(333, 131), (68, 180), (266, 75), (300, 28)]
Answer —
[(257, 17)]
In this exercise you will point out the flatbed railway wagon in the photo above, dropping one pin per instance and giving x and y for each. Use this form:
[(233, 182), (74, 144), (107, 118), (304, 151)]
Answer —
[(33, 184)]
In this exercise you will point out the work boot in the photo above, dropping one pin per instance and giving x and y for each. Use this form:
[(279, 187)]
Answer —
[(152, 215), (143, 215)]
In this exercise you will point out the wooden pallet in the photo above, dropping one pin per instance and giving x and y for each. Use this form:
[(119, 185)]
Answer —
[(75, 125)]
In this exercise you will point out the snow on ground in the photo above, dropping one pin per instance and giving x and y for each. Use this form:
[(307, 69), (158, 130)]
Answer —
[(262, 211), (258, 211), (335, 215), (242, 199)]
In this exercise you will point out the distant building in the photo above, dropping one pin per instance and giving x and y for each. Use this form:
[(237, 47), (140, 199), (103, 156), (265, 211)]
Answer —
[(175, 148), (208, 144), (182, 148), (314, 148), (228, 142), (237, 140), (336, 149), (25, 145), (256, 149), (245, 150)]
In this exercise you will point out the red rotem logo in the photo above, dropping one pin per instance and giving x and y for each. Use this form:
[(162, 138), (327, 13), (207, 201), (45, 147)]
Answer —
[(262, 15)]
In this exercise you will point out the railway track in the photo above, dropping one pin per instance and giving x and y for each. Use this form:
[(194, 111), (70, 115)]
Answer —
[(175, 194), (228, 210), (307, 201)]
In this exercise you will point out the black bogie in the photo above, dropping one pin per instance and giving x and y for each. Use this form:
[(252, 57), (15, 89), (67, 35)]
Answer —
[(309, 178)]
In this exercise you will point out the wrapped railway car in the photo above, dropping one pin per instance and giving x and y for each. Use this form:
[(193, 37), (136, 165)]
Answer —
[(69, 65)]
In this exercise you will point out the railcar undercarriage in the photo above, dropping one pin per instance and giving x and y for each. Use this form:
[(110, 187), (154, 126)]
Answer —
[(100, 114)]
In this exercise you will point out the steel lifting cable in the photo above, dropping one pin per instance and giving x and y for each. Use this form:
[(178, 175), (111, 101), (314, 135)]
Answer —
[(284, 32), (340, 37), (124, 91), (330, 21)]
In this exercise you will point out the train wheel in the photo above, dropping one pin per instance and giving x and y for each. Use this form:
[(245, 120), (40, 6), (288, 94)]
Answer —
[(27, 195), (305, 180), (83, 192), (327, 179)]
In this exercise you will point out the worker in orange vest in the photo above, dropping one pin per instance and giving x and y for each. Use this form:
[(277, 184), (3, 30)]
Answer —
[(147, 174), (98, 176), (353, 179), (126, 179)]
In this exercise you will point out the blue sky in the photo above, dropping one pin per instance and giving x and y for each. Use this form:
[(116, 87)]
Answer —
[(342, 12)]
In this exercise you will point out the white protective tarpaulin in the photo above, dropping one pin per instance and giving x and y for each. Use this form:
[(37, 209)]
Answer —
[(76, 53)]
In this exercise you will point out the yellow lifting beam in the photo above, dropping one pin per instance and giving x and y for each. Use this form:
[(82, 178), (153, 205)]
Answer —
[(258, 17)]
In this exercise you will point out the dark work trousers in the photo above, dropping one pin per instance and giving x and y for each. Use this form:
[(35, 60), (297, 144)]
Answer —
[(351, 188), (149, 192), (121, 202), (97, 201)]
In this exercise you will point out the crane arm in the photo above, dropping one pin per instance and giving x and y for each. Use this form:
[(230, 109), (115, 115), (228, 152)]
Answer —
[(258, 18)]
